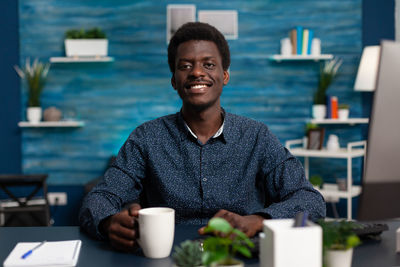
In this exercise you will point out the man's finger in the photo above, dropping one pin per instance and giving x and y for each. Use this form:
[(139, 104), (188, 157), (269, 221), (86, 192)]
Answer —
[(134, 209)]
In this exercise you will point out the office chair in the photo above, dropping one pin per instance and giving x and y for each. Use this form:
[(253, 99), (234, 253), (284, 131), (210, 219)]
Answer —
[(27, 203)]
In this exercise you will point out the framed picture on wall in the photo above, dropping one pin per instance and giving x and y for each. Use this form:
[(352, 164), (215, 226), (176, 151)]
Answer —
[(315, 138), (226, 21), (177, 15)]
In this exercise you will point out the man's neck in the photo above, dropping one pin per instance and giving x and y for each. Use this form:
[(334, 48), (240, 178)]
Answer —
[(204, 124)]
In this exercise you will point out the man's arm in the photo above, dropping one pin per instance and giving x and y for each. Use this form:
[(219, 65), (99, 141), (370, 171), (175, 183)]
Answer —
[(122, 184)]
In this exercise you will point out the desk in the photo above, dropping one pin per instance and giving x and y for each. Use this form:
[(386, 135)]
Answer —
[(97, 254)]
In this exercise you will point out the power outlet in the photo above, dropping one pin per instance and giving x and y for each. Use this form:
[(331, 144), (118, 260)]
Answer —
[(57, 198)]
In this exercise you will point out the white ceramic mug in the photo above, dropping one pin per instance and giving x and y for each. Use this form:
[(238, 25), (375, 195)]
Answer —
[(156, 231)]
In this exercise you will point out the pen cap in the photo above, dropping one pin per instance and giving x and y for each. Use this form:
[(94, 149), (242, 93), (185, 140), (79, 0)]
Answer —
[(285, 245)]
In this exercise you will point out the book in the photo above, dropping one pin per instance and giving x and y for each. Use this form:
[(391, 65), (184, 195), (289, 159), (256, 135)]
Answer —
[(293, 40), (334, 107), (55, 253), (305, 42), (299, 34), (328, 107), (310, 37)]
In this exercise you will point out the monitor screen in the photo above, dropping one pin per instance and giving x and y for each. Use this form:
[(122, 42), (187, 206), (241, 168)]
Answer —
[(380, 198)]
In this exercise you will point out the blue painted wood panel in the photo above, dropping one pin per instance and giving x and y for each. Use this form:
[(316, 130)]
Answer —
[(114, 98)]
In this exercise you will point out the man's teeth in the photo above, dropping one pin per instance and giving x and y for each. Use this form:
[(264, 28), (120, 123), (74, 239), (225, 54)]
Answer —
[(199, 86)]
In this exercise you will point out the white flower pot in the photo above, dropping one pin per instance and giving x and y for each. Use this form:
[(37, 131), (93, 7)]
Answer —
[(339, 258), (34, 114), (319, 112), (343, 114), (86, 47)]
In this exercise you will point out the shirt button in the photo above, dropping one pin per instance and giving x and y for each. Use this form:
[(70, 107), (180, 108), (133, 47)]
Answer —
[(204, 179)]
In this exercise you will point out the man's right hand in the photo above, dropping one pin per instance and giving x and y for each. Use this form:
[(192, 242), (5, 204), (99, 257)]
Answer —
[(122, 228)]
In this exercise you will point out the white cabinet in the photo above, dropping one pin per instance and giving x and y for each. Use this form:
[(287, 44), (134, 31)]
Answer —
[(331, 192)]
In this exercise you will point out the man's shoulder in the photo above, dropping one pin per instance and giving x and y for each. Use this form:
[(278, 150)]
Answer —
[(157, 126), (245, 122)]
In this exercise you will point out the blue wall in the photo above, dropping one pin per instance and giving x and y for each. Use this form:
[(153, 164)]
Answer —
[(133, 89), (114, 98), (10, 135)]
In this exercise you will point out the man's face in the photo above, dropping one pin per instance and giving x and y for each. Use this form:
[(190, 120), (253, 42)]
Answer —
[(199, 76)]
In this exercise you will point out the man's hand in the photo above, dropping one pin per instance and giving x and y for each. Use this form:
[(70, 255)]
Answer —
[(250, 224), (122, 228)]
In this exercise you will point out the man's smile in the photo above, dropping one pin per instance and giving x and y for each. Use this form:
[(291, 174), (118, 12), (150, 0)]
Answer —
[(197, 87)]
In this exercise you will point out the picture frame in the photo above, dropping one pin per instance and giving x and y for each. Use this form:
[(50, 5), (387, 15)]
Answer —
[(226, 21), (177, 15), (315, 138)]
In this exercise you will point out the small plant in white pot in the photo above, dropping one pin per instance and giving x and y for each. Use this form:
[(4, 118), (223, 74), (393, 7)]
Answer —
[(339, 240), (187, 254), (327, 75), (86, 43), (344, 111), (220, 249), (35, 76)]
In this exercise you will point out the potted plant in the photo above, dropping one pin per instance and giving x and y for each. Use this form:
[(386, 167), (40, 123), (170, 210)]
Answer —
[(339, 240), (86, 43), (35, 76), (344, 111), (187, 254), (221, 248), (327, 74), (316, 181)]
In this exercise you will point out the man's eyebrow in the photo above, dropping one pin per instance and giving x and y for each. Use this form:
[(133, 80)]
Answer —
[(190, 59)]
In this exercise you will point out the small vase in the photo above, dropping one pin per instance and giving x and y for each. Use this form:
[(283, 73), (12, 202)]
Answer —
[(339, 258), (343, 114), (34, 114), (319, 111)]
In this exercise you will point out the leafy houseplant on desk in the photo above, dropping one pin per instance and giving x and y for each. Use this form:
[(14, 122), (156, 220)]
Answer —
[(86, 43), (327, 75), (217, 250), (339, 240), (35, 76)]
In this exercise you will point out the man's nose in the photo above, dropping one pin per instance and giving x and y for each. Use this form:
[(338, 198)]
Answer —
[(197, 70)]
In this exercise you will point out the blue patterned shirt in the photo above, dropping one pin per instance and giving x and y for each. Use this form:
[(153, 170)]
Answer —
[(245, 170)]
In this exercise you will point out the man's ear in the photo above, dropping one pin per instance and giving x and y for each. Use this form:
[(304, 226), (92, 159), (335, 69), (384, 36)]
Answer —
[(226, 77), (173, 83)]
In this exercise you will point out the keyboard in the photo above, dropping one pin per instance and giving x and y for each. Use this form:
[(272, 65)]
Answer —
[(365, 230)]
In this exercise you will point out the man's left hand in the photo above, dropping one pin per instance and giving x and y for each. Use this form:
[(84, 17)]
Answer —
[(249, 224)]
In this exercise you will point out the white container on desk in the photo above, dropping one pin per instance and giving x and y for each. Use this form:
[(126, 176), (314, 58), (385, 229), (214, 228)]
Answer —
[(283, 245)]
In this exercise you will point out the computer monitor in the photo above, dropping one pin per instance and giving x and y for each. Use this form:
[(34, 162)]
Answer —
[(380, 198)]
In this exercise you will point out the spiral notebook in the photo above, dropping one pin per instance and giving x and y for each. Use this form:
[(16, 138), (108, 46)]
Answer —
[(55, 253)]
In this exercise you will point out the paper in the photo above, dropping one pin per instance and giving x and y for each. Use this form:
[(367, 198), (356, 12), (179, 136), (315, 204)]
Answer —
[(58, 253)]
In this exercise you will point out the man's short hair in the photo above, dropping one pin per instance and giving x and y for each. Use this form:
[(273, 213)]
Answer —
[(202, 32)]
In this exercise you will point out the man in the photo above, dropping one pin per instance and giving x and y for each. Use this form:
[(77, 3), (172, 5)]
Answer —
[(201, 161)]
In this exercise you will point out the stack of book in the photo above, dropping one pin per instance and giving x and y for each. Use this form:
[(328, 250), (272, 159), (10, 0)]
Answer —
[(332, 107), (301, 39)]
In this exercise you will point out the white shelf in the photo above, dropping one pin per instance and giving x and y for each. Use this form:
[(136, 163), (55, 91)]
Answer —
[(52, 124), (300, 57), (350, 121), (324, 153), (80, 59), (336, 193)]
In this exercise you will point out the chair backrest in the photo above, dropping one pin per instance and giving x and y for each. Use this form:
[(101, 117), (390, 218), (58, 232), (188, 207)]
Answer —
[(26, 203)]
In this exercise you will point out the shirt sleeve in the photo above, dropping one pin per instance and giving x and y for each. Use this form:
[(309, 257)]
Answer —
[(122, 184), (288, 190)]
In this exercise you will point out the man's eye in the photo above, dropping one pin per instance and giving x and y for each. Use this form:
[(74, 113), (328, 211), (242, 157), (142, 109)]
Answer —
[(209, 65), (184, 66)]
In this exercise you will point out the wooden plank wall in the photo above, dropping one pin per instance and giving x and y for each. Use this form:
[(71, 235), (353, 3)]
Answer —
[(114, 98)]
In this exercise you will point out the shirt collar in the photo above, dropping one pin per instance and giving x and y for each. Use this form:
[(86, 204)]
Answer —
[(227, 130), (218, 133)]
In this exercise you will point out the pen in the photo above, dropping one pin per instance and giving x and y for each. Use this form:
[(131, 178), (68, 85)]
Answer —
[(29, 252)]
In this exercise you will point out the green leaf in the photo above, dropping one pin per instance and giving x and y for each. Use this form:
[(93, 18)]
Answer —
[(243, 250), (220, 225)]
